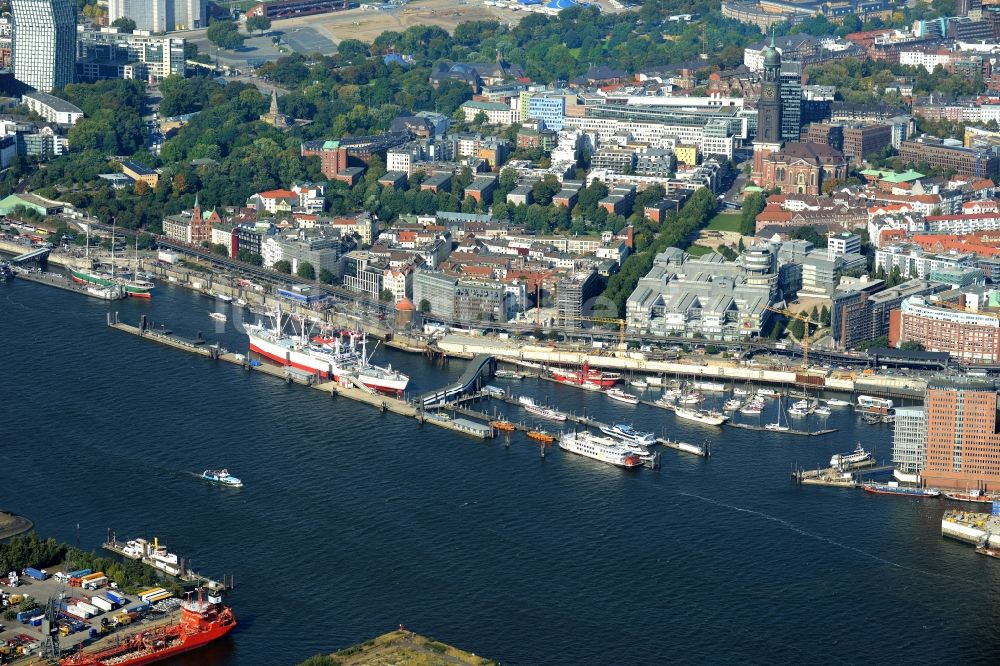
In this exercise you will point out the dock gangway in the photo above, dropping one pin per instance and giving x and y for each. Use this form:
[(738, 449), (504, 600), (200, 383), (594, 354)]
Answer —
[(38, 254), (481, 369)]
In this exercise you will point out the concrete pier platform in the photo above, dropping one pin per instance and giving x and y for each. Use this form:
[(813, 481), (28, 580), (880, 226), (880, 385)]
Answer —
[(380, 401)]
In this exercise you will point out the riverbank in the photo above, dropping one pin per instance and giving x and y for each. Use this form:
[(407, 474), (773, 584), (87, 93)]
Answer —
[(401, 648), (11, 525)]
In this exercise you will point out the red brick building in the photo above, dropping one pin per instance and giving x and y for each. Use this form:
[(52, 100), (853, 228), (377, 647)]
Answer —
[(332, 157), (963, 434), (802, 168), (967, 336)]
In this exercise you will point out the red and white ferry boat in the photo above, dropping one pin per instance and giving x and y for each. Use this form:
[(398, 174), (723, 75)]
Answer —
[(586, 376)]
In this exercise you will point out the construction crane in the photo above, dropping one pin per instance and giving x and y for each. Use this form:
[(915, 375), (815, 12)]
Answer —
[(600, 320), (805, 333)]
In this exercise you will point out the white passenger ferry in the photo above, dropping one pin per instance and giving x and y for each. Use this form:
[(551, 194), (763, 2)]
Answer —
[(604, 449)]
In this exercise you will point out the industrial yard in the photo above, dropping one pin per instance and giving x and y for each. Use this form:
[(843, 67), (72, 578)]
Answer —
[(89, 609)]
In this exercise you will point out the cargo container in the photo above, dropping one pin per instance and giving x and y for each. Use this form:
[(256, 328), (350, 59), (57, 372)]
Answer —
[(141, 608), (37, 621), (102, 603), (35, 573), (91, 576), (153, 593), (24, 616), (116, 597), (80, 573), (90, 608), (168, 257), (94, 583)]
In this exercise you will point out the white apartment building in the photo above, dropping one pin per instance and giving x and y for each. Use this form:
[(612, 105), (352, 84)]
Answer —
[(53, 109), (926, 59)]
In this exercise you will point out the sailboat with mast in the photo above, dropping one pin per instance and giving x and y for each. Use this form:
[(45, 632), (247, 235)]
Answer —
[(777, 426), (132, 286)]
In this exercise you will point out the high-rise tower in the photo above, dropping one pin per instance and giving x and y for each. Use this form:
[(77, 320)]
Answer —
[(44, 52), (768, 110)]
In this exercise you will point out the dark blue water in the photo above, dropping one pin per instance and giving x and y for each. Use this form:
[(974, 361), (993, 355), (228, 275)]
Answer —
[(352, 522)]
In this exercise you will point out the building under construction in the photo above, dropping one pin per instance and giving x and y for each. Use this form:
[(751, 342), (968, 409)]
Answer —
[(293, 8)]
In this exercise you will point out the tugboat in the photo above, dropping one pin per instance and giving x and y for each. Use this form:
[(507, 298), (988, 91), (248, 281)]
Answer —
[(201, 623), (6, 272), (222, 477)]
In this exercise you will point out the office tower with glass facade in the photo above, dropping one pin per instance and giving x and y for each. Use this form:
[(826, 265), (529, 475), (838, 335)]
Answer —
[(44, 43)]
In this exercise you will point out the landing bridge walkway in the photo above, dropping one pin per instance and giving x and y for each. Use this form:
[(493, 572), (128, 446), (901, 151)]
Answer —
[(481, 369)]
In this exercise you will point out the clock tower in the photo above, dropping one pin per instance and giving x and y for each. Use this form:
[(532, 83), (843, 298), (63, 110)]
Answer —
[(768, 110)]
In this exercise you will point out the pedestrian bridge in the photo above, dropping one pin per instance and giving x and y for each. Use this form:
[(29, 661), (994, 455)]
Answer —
[(475, 377), (37, 254)]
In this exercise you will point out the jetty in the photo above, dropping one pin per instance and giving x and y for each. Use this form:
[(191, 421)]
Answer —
[(345, 388), (58, 281), (790, 431), (156, 556), (840, 477), (583, 420)]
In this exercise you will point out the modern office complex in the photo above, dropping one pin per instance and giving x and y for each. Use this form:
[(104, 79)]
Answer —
[(112, 55), (44, 43), (160, 15), (963, 443)]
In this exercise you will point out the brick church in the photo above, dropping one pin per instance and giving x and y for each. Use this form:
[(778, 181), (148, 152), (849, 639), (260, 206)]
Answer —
[(791, 167)]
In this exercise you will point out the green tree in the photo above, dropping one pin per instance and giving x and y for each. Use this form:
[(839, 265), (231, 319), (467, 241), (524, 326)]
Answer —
[(306, 271), (258, 24), (386, 296), (225, 35), (753, 205), (124, 24), (325, 276), (797, 328), (425, 305), (912, 345), (283, 266), (824, 316)]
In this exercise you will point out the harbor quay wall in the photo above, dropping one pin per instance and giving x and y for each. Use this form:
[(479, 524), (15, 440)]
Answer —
[(468, 347)]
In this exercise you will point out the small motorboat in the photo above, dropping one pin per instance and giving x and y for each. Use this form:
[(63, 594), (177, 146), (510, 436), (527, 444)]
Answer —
[(222, 477)]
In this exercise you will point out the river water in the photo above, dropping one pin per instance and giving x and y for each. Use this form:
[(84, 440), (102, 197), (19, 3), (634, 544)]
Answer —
[(352, 522)]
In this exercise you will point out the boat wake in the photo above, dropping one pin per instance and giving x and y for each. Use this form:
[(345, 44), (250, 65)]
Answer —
[(795, 528)]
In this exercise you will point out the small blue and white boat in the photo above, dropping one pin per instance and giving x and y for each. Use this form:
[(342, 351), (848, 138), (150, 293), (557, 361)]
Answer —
[(222, 477)]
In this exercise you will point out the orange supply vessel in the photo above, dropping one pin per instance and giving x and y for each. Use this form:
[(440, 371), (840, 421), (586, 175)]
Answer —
[(201, 623)]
